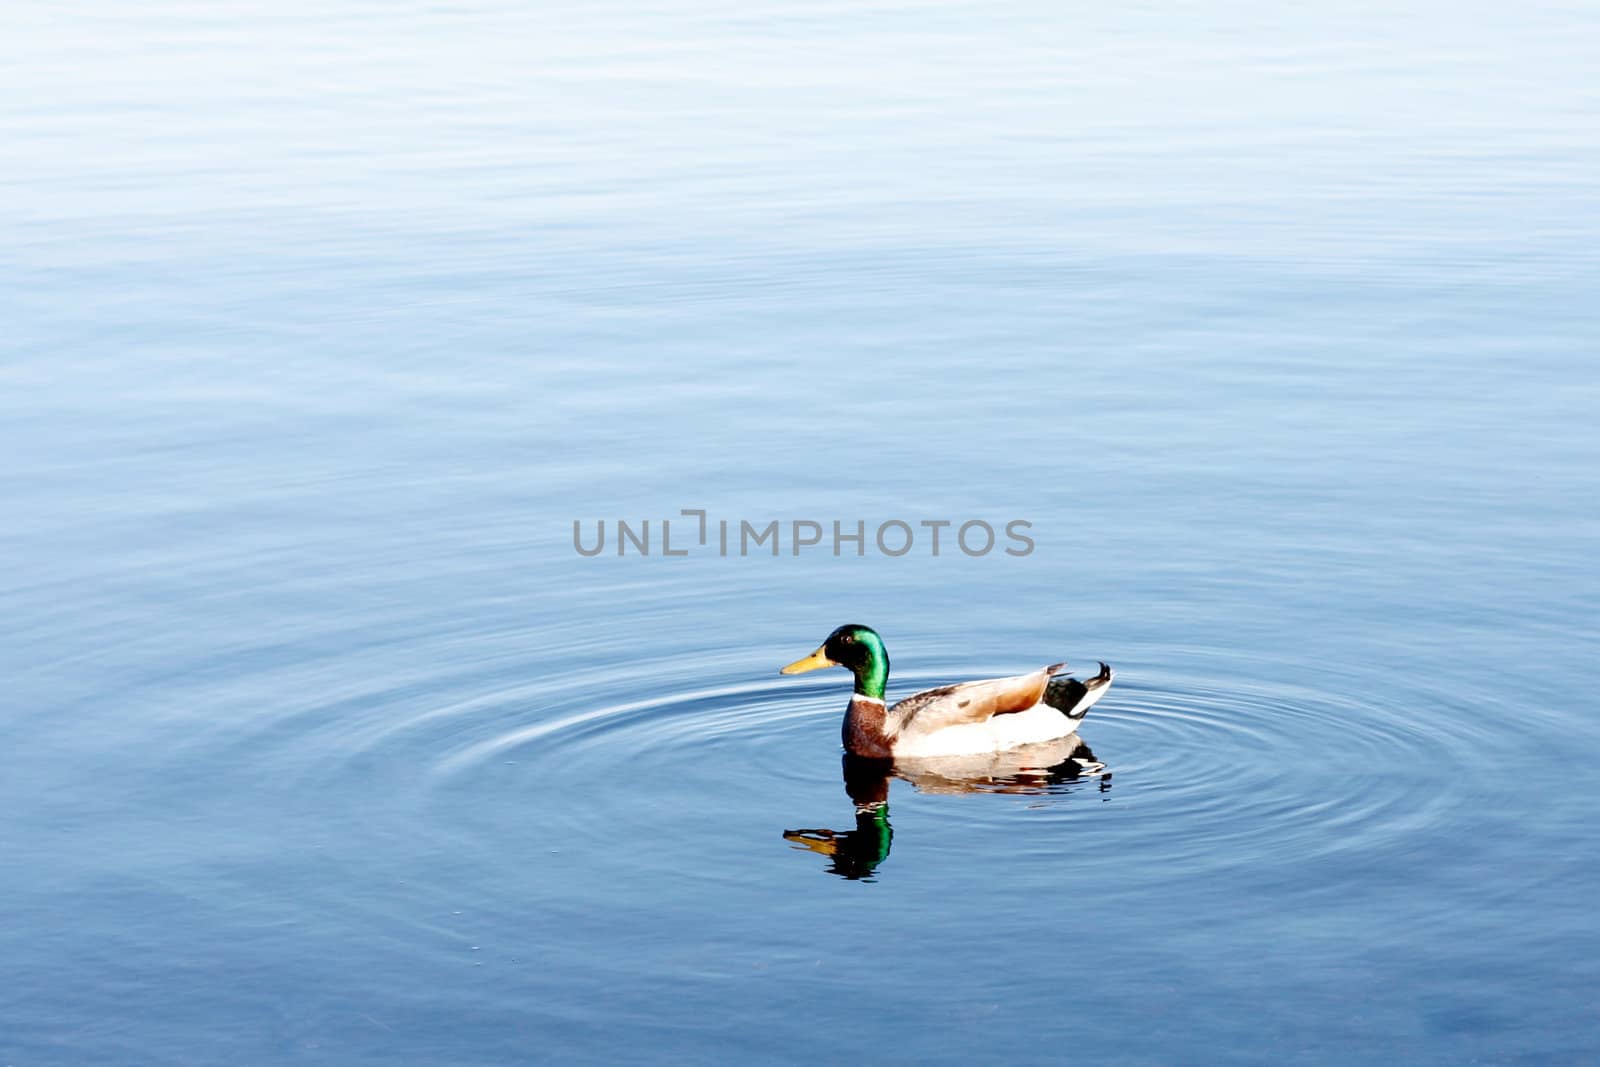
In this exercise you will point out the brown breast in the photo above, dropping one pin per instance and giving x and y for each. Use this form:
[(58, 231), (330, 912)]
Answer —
[(863, 733)]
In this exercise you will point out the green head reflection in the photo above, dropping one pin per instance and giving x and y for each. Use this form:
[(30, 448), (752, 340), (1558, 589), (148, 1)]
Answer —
[(854, 854)]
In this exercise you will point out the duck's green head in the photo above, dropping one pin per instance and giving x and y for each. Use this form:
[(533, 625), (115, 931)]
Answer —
[(859, 650)]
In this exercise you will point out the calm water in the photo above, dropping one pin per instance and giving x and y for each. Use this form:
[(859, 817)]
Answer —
[(320, 743)]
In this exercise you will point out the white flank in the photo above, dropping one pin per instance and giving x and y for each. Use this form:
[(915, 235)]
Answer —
[(1039, 723)]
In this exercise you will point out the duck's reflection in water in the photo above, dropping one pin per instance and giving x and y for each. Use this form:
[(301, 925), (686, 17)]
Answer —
[(1046, 767)]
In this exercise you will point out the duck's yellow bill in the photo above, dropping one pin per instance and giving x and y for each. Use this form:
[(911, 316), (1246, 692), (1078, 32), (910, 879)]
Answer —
[(816, 660)]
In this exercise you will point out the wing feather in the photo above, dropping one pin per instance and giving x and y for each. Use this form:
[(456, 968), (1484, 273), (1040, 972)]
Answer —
[(952, 705)]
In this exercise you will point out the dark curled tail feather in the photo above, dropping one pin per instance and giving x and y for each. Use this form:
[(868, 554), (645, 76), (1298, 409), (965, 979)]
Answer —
[(1074, 698)]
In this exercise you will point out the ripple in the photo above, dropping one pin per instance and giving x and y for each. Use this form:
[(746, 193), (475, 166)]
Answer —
[(485, 813), (1191, 772), (1257, 771), (663, 723)]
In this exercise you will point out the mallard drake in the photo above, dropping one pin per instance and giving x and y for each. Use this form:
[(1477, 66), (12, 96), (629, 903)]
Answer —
[(953, 720)]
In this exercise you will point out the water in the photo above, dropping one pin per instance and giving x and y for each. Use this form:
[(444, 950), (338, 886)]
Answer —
[(321, 744)]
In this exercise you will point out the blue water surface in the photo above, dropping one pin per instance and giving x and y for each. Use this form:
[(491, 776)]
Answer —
[(324, 323)]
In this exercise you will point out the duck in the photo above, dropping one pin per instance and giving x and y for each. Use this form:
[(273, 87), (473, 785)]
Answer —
[(972, 718)]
